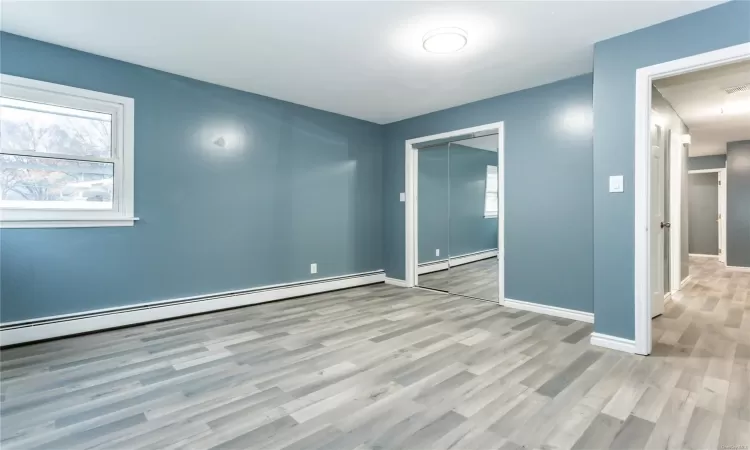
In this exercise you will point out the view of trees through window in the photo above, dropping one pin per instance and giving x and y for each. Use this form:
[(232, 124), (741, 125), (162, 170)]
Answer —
[(56, 157)]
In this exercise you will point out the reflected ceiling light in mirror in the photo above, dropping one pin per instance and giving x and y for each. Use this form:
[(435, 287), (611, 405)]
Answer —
[(445, 40)]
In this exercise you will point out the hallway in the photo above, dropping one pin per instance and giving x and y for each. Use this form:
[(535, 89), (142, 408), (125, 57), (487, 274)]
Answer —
[(704, 339)]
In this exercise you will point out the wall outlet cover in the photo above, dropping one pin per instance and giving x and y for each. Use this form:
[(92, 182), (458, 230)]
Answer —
[(314, 268), (437, 252), (402, 196)]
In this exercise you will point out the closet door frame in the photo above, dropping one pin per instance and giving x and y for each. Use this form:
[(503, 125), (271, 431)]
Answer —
[(410, 198)]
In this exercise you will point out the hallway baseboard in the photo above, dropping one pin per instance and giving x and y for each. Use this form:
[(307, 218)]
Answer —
[(566, 313), (613, 342), (89, 321)]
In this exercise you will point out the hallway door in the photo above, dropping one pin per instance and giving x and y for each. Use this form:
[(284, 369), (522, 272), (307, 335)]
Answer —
[(658, 221), (704, 222)]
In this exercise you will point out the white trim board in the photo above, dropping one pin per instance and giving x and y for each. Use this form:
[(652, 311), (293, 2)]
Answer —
[(472, 257), (434, 266), (686, 281), (566, 313), (71, 324), (739, 268), (411, 198), (395, 282), (699, 255), (644, 78), (613, 342)]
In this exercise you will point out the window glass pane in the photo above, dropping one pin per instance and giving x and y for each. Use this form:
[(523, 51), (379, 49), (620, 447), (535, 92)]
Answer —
[(27, 182), (36, 127)]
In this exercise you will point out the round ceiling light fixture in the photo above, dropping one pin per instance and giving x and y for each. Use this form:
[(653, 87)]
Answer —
[(445, 40)]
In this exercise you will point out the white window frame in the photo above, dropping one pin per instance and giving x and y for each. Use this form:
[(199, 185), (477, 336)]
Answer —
[(487, 191), (122, 110)]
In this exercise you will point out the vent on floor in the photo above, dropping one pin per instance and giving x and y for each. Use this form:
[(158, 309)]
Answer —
[(736, 89)]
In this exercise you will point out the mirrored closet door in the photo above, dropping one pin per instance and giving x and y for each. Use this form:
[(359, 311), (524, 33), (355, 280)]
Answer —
[(457, 191)]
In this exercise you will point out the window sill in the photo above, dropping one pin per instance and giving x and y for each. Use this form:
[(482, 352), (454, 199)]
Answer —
[(80, 223)]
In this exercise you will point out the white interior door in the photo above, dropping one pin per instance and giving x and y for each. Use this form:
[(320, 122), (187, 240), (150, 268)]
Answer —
[(658, 222)]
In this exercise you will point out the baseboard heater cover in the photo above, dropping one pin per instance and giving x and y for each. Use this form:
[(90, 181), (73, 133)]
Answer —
[(78, 323), (433, 266), (472, 257)]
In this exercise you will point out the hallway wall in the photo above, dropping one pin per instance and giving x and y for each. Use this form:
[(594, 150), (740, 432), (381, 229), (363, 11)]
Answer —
[(738, 204), (615, 63)]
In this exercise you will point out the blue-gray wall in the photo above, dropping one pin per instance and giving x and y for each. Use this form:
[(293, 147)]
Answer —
[(470, 231), (738, 203), (707, 162), (548, 179), (305, 186), (433, 184), (615, 63)]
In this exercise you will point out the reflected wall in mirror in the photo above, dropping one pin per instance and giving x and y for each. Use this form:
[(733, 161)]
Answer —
[(457, 217)]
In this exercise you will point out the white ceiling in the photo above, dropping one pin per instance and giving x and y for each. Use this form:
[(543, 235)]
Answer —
[(713, 116), (361, 59)]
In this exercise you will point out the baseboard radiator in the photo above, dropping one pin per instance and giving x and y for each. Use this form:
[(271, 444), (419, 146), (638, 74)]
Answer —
[(44, 328)]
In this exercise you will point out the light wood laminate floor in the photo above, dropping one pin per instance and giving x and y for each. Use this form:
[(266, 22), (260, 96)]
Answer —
[(381, 367), (477, 279)]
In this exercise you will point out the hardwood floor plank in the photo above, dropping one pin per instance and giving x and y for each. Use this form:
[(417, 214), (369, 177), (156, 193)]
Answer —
[(380, 367)]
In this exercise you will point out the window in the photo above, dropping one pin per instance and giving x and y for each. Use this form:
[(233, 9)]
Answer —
[(66, 156), (490, 193)]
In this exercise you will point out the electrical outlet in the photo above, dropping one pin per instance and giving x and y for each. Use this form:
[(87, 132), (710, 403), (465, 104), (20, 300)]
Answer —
[(313, 268), (437, 252)]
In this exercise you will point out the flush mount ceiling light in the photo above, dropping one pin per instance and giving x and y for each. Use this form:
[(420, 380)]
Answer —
[(444, 40)]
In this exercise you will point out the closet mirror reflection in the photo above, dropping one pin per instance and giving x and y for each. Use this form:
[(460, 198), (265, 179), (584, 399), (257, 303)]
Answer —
[(457, 191)]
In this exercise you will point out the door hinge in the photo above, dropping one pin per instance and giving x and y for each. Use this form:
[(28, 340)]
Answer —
[(719, 182), (719, 216)]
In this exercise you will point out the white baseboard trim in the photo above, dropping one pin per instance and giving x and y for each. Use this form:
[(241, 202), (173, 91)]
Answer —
[(472, 257), (69, 324), (613, 342), (686, 281), (739, 268), (395, 282), (574, 314), (701, 255), (435, 266)]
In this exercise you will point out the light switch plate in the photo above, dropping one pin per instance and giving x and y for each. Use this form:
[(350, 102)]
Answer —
[(437, 252), (402, 196), (616, 183)]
